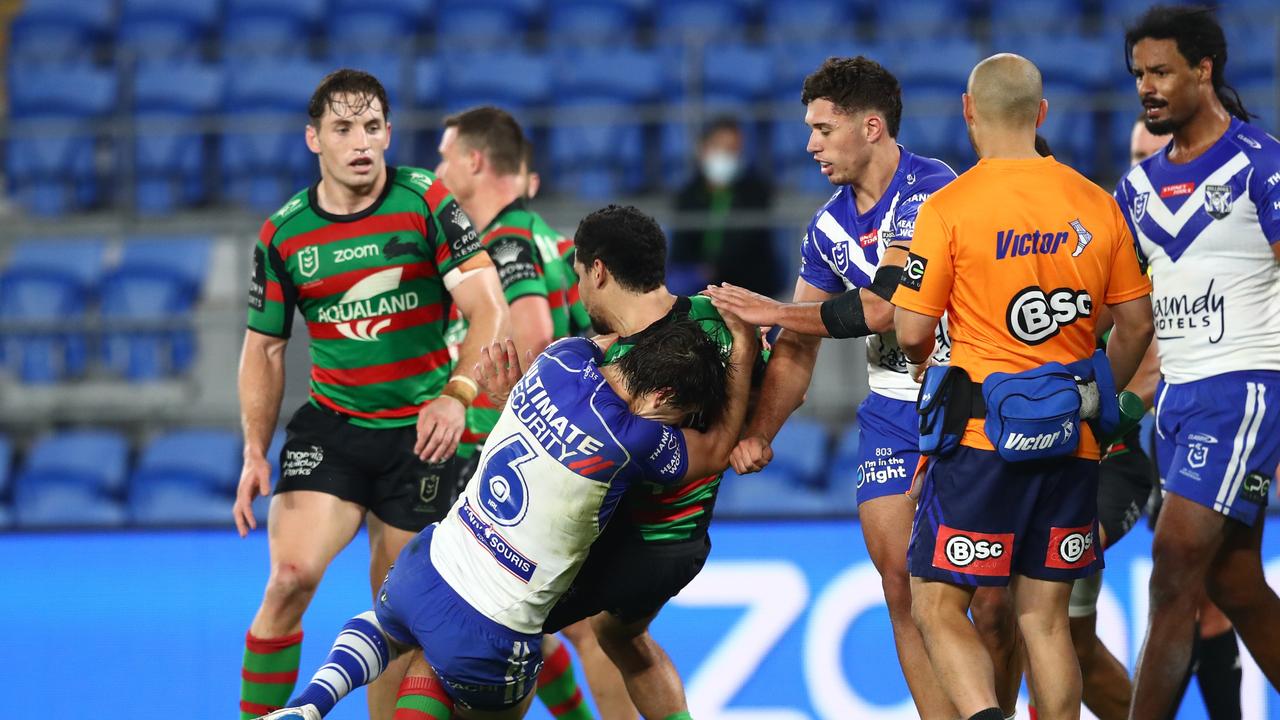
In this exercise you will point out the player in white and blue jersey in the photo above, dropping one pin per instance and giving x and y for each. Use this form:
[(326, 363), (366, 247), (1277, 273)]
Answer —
[(1206, 215), (851, 261), (473, 590)]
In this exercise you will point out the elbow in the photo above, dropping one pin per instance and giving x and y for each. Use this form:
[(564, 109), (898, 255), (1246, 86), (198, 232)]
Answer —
[(878, 314)]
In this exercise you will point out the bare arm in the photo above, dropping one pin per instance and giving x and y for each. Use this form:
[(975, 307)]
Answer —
[(709, 451), (531, 325), (1130, 338), (789, 371), (916, 334), (261, 387), (1147, 376)]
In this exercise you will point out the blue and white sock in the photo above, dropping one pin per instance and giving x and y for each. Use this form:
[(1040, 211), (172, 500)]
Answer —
[(358, 657)]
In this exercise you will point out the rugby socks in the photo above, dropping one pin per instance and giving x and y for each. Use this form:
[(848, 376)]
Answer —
[(991, 713), (422, 699), (1219, 675), (682, 715), (558, 688), (359, 655), (269, 673)]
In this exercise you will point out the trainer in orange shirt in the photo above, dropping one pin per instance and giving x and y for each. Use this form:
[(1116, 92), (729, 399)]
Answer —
[(1016, 251)]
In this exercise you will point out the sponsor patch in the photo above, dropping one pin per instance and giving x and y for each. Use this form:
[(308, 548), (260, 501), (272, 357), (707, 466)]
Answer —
[(458, 230), (1218, 201), (1256, 488), (258, 281), (1034, 316), (511, 559), (1177, 190), (913, 271), (300, 463), (1070, 548), (309, 261), (973, 553)]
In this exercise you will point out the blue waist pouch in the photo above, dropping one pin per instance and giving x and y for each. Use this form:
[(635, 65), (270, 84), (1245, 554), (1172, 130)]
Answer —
[(945, 404), (1033, 414)]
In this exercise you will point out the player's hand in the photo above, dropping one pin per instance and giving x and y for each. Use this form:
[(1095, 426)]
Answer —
[(744, 331), (440, 425), (752, 454), (255, 480), (498, 370), (917, 371), (757, 309)]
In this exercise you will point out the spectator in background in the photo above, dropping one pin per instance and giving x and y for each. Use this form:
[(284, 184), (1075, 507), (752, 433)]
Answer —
[(714, 247)]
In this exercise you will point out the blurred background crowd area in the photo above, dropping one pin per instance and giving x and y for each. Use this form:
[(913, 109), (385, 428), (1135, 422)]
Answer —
[(145, 140)]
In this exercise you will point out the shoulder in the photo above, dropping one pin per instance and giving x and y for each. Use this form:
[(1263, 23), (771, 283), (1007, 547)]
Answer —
[(833, 206), (1262, 151), (575, 352), (926, 173), (275, 224), (416, 180)]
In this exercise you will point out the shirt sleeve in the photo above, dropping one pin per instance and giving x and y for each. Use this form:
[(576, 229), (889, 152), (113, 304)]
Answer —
[(659, 451), (1127, 281), (1264, 191), (904, 216), (455, 237), (272, 295), (814, 268), (929, 272), (1123, 197), (519, 267), (575, 351)]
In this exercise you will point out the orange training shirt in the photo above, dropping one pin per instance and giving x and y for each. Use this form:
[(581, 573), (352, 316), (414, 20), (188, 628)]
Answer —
[(1017, 253)]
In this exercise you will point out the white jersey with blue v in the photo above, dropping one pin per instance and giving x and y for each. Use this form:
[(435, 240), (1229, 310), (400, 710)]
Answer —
[(842, 249), (1207, 229)]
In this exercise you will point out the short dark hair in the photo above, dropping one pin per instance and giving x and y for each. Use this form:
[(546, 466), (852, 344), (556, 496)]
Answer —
[(494, 132), (357, 84), (629, 243), (1198, 35), (718, 123), (855, 85), (677, 355)]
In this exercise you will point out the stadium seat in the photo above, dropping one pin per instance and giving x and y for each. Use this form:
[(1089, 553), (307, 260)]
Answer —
[(165, 30), (934, 65), (739, 72), (377, 23), (794, 22), (507, 79), (60, 31), (599, 22), (1036, 16), (481, 24), (92, 460), (53, 166), (67, 506), (47, 284), (678, 20), (768, 493), (187, 476), (426, 83), (800, 451), (172, 154), (921, 19), (932, 126), (6, 465), (271, 28), (1253, 52)]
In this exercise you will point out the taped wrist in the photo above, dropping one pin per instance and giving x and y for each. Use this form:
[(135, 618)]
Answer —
[(886, 281), (842, 316)]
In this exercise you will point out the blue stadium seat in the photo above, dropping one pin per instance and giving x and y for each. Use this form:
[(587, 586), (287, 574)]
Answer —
[(94, 460), (379, 22), (932, 125), (59, 31), (47, 283), (173, 156), (67, 506), (1253, 52), (6, 465), (161, 29), (736, 71), (800, 451), (388, 67), (795, 22), (593, 21), (268, 160), (678, 19), (934, 64), (1036, 16), (427, 83), (845, 454), (921, 19), (51, 160), (188, 476), (271, 28), (472, 24), (629, 75), (507, 79), (768, 493), (1069, 61)]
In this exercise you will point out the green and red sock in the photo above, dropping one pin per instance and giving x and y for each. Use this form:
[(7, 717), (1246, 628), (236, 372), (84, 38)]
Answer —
[(269, 673), (422, 699), (558, 688)]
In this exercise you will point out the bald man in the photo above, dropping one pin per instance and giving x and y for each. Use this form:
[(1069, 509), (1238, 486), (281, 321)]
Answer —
[(1015, 251)]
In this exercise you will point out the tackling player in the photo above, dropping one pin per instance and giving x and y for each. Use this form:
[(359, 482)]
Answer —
[(1206, 214), (474, 591), (371, 256), (851, 259), (1014, 251)]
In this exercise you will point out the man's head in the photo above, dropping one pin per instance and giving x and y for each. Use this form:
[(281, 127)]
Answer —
[(720, 151), (1178, 56), (1005, 98), (619, 252), (477, 145), (1143, 144), (852, 106), (675, 370), (349, 130), (530, 181)]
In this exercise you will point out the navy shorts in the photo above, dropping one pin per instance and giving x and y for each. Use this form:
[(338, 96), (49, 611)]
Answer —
[(482, 664), (981, 519), (1218, 441), (888, 446)]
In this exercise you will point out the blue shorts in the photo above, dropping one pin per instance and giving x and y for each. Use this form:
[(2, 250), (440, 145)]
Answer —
[(981, 519), (482, 664), (888, 446), (1218, 441)]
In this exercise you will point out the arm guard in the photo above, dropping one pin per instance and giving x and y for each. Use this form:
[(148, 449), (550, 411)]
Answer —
[(843, 317)]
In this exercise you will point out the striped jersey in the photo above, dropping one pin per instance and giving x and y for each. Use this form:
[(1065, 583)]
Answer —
[(1206, 228), (674, 513), (563, 452), (842, 249), (370, 286)]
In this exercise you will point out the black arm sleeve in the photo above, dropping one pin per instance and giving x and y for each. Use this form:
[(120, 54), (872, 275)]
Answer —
[(842, 316), (886, 281)]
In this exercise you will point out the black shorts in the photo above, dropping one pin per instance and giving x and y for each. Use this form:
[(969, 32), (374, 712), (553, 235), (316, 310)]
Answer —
[(374, 468), (1124, 484), (627, 577)]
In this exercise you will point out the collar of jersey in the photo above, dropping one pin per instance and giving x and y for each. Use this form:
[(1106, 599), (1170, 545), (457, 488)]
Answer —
[(326, 215)]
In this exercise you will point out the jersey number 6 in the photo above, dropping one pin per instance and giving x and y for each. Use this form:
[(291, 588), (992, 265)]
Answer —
[(504, 494)]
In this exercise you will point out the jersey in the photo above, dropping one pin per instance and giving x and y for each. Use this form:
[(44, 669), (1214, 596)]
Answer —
[(371, 288), (567, 311), (674, 513), (579, 320), (1206, 228), (842, 248), (563, 452), (524, 271), (1017, 252)]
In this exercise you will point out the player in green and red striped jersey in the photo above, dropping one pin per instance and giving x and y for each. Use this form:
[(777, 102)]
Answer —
[(557, 258), (374, 258)]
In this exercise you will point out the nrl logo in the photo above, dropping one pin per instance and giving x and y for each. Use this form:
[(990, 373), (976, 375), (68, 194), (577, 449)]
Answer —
[(1217, 201), (840, 255), (309, 261), (1140, 207)]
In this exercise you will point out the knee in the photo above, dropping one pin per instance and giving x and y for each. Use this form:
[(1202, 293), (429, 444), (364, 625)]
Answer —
[(1173, 575), (1233, 595), (291, 583), (897, 592), (993, 616)]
